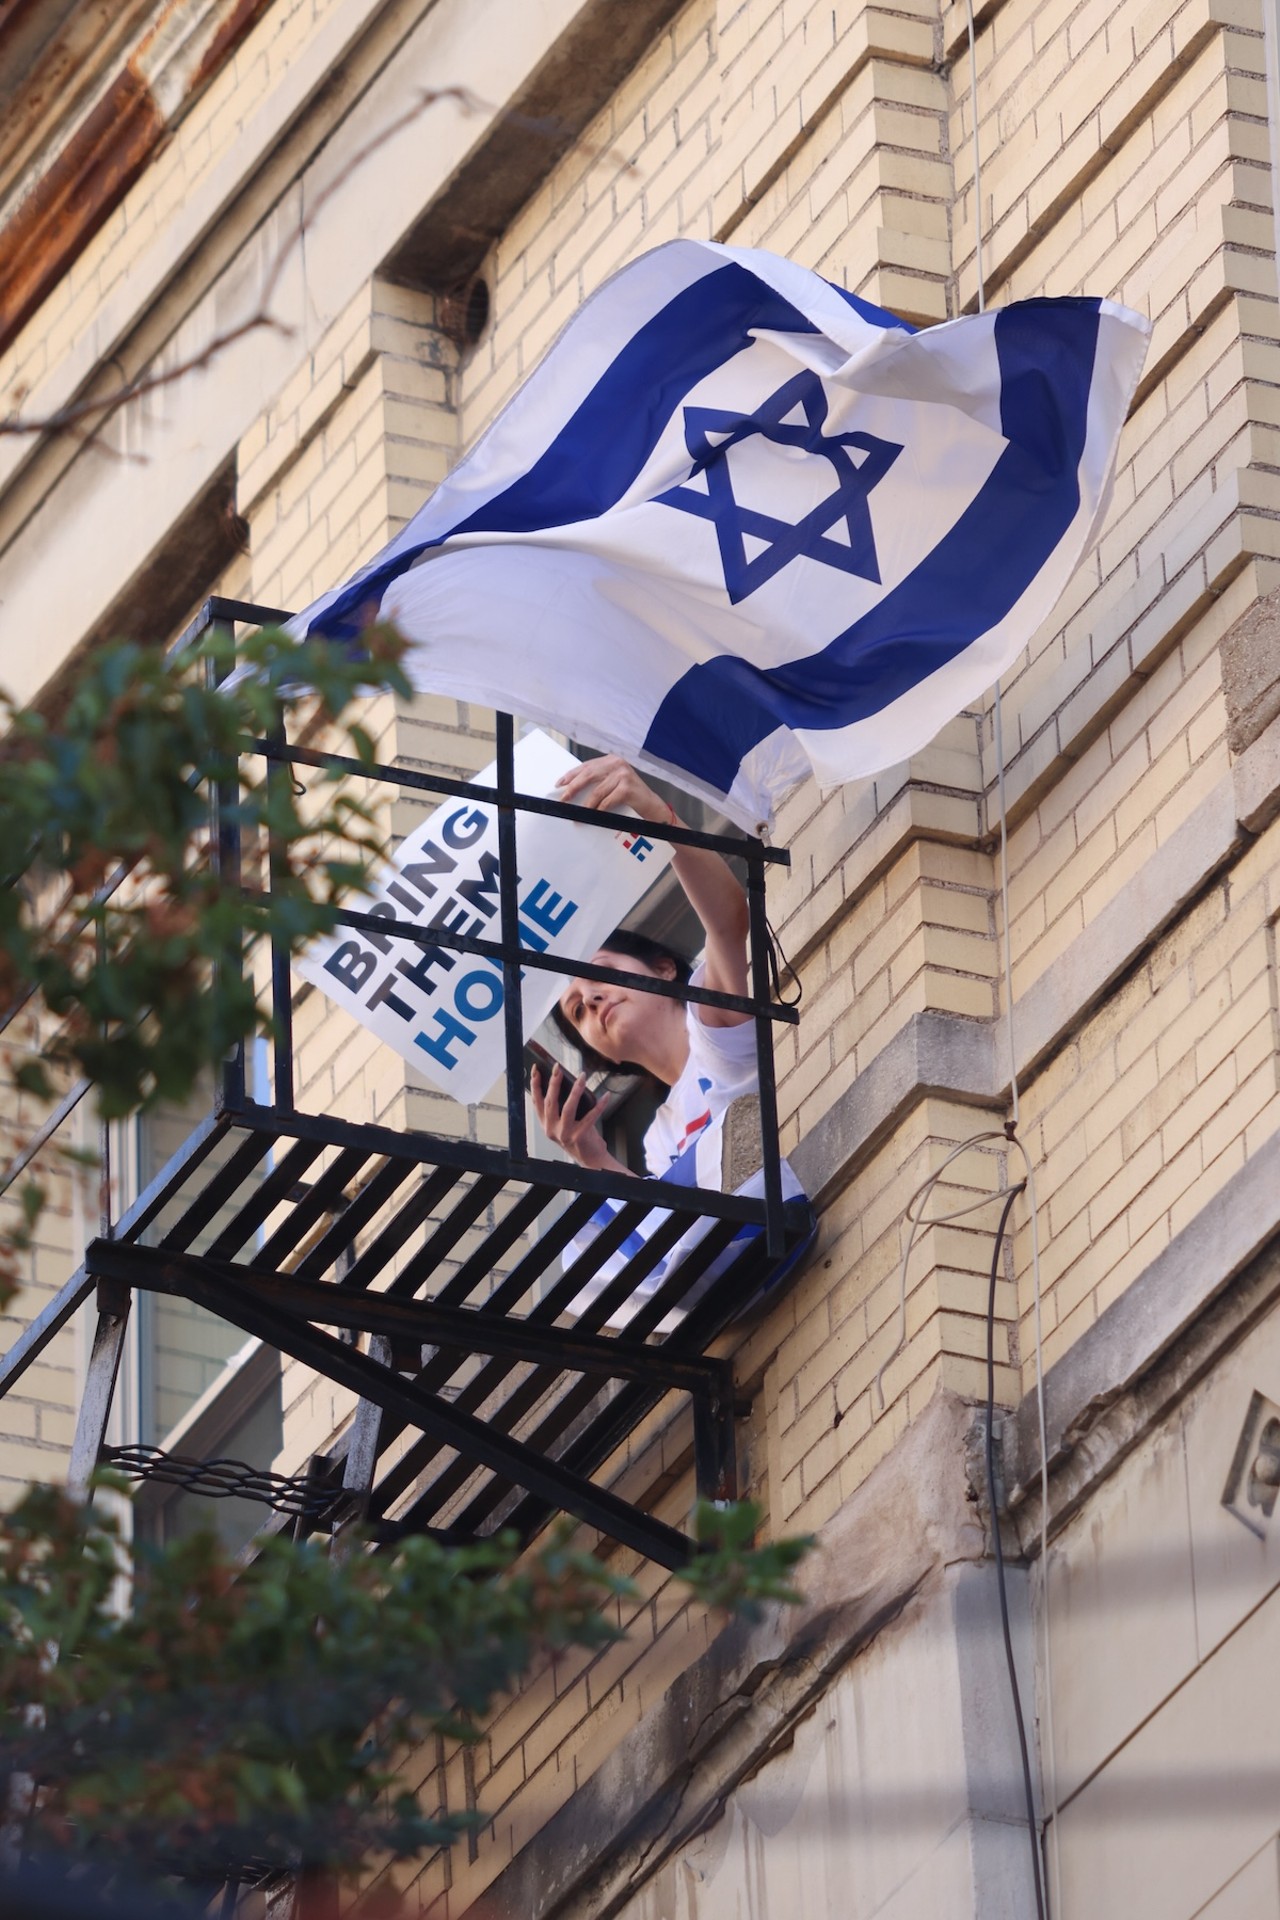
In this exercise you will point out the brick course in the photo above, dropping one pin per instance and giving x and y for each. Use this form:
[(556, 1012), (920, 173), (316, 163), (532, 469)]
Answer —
[(1123, 154)]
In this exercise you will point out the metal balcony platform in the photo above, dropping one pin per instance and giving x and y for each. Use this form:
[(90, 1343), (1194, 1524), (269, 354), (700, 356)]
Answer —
[(442, 1281)]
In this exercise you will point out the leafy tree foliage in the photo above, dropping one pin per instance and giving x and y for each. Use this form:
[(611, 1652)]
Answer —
[(238, 1719), (117, 913)]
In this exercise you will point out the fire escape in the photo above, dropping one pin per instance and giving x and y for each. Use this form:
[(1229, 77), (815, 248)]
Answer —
[(432, 1276)]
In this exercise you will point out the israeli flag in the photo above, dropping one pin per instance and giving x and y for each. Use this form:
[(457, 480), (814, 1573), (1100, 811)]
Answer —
[(741, 525)]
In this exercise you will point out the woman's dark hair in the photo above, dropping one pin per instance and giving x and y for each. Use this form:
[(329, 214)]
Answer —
[(632, 946)]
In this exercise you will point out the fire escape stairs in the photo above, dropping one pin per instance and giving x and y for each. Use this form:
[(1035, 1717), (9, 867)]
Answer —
[(436, 1279)]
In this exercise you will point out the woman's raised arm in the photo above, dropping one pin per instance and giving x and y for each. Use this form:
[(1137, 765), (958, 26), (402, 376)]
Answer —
[(612, 785)]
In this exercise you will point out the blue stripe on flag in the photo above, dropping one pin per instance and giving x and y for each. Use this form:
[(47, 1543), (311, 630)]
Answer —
[(605, 1214), (596, 456), (874, 316), (1046, 360), (683, 1171)]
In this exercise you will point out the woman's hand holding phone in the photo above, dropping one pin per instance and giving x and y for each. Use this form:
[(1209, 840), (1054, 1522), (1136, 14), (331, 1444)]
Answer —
[(567, 1112)]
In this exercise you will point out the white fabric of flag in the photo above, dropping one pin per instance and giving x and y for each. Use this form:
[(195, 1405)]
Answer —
[(740, 525)]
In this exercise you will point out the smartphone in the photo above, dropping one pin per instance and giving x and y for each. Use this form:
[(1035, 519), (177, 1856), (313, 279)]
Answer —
[(536, 1055)]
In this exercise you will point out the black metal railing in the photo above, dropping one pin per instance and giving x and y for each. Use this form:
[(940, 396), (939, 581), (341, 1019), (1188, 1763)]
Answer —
[(507, 950), (514, 1339)]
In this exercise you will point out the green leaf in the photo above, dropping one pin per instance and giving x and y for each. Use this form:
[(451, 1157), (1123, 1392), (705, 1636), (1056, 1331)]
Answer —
[(32, 1076)]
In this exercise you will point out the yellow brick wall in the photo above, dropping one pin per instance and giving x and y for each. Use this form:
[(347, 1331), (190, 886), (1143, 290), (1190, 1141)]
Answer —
[(863, 200), (1148, 180), (37, 1417), (1114, 723), (544, 1743), (1120, 801), (910, 926), (330, 473), (1123, 154), (920, 935), (846, 1384), (1158, 1101)]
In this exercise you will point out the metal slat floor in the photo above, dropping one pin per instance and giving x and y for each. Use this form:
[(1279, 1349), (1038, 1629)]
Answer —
[(487, 1400)]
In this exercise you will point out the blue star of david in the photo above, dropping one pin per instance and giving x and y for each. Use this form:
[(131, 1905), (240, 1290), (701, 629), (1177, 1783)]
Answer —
[(710, 432)]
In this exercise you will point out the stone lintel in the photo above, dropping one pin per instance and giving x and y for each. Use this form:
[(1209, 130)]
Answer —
[(473, 208), (1251, 672), (1256, 778), (935, 1053)]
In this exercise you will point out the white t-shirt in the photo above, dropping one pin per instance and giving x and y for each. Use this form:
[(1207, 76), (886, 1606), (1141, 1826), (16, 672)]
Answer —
[(720, 1067)]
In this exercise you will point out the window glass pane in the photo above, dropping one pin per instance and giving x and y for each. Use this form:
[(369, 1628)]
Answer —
[(189, 1348), (183, 1347), (256, 1439)]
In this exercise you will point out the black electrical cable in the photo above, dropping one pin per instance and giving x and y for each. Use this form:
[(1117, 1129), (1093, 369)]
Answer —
[(777, 955), (1028, 1788)]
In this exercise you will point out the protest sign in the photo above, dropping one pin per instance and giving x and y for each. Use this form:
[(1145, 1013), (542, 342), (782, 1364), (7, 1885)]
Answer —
[(442, 1010)]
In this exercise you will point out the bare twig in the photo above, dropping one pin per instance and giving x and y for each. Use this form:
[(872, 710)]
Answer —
[(70, 419)]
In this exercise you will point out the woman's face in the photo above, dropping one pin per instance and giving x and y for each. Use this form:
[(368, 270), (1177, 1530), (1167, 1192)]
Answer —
[(621, 1023)]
